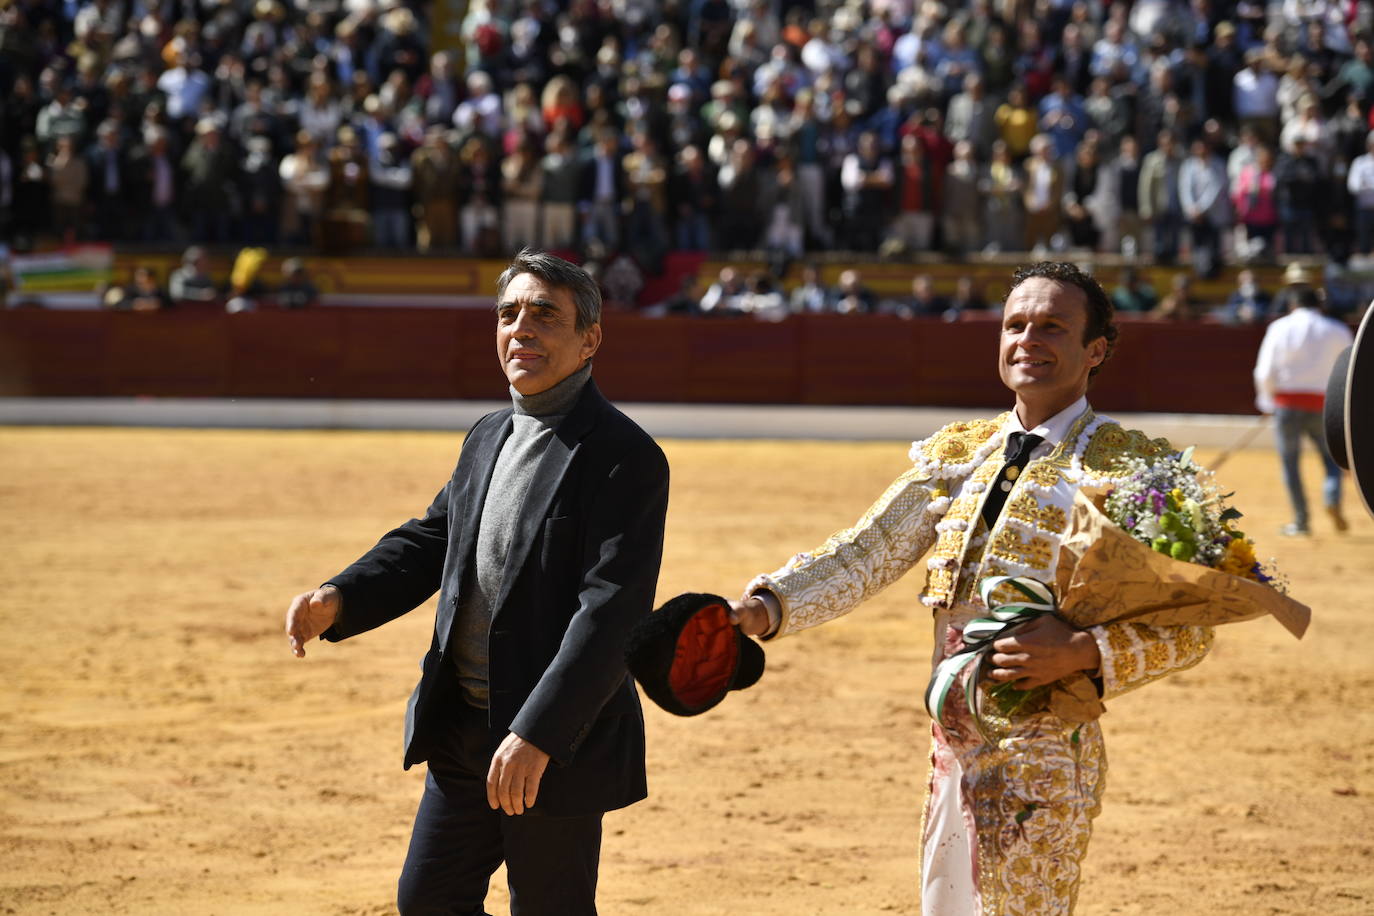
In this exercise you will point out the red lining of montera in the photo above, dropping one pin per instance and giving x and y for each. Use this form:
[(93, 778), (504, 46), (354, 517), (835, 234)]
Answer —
[(704, 660)]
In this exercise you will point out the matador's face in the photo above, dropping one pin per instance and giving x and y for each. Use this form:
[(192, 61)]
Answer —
[(1042, 356)]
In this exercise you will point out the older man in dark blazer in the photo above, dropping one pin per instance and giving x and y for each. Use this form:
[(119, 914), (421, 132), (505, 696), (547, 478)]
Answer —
[(544, 546)]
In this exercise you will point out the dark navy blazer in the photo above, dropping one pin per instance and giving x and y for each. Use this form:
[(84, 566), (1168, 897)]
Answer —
[(581, 571)]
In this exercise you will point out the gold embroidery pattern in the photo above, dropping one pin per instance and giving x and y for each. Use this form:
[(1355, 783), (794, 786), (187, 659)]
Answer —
[(1035, 793), (1025, 508), (1136, 654), (956, 443), (1111, 443), (961, 521), (858, 562), (1035, 552), (1043, 474)]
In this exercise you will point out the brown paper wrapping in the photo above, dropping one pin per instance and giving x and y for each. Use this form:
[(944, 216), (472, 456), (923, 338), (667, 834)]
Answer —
[(1106, 576)]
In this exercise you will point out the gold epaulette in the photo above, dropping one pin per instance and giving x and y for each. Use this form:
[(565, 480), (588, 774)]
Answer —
[(957, 443), (1112, 443)]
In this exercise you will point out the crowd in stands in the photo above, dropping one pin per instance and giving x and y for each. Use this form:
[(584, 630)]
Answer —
[(1198, 130), (762, 296)]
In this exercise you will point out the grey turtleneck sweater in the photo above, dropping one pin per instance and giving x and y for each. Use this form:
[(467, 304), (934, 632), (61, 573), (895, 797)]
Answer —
[(536, 418)]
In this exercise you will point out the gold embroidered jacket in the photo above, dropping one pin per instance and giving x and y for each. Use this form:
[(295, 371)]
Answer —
[(936, 507)]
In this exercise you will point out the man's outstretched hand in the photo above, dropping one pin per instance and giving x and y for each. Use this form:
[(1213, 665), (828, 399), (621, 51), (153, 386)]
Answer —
[(514, 775), (751, 616), (1043, 651), (310, 614)]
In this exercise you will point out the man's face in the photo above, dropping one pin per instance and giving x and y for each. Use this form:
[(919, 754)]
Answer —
[(1042, 356), (536, 336)]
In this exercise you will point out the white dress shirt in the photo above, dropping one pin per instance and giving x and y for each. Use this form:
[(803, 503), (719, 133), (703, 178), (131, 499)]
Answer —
[(1297, 354)]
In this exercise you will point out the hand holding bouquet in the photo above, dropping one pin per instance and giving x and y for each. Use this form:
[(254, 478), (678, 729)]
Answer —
[(1161, 548)]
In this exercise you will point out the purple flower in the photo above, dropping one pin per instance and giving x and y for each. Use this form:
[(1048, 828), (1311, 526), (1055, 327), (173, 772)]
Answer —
[(1157, 501), (1130, 521)]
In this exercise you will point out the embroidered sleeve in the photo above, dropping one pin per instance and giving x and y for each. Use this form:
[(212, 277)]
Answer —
[(1134, 654), (859, 562)]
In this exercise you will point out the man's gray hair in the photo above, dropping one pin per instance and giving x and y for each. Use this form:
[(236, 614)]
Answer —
[(559, 274)]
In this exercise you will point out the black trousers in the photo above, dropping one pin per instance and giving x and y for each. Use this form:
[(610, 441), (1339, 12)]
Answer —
[(458, 841)]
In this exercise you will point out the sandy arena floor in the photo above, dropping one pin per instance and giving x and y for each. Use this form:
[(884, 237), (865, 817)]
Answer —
[(161, 751)]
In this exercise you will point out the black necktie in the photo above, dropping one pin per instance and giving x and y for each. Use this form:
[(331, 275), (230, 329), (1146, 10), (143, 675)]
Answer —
[(1019, 448)]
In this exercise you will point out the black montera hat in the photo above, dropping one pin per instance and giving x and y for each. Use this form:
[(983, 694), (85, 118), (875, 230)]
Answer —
[(687, 655), (1349, 411)]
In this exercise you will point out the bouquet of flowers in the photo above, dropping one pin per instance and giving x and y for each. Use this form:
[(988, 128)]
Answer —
[(1161, 549), (1173, 506)]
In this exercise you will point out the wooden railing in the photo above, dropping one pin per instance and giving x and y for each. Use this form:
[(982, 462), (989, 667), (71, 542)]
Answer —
[(399, 352)]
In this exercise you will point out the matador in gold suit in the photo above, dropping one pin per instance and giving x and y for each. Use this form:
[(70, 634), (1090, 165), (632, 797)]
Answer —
[(1006, 820)]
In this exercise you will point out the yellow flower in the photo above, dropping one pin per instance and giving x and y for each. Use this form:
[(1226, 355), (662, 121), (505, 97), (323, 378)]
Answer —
[(1239, 559)]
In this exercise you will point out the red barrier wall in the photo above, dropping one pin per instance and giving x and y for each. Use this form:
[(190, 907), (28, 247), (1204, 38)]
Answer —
[(450, 353)]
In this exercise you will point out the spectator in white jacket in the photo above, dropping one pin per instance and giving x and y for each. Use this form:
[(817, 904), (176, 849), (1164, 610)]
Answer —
[(1295, 360)]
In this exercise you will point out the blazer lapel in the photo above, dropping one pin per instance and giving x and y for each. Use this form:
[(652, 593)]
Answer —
[(547, 479), (474, 473)]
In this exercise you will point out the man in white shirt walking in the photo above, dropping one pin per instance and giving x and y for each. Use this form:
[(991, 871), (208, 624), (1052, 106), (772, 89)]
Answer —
[(1294, 362)]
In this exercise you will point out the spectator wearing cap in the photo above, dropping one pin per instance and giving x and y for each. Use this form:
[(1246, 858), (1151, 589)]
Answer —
[(209, 169)]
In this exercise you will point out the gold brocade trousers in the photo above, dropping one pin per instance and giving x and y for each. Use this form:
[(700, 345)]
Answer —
[(1007, 823)]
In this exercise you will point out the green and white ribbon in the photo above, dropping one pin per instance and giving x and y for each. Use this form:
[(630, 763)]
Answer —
[(966, 668)]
